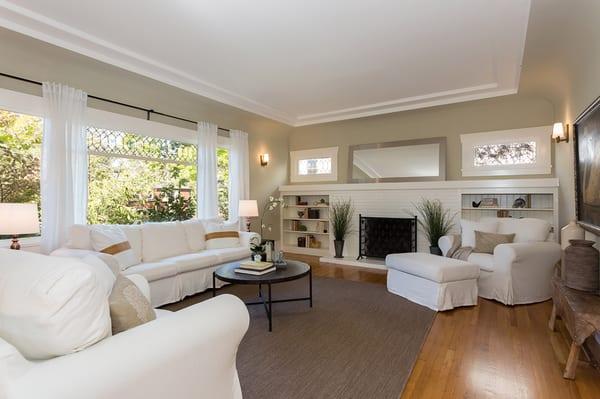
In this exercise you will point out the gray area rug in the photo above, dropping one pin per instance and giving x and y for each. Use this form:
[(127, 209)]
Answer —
[(358, 341)]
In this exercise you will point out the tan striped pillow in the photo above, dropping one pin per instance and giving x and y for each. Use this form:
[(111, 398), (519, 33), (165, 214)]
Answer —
[(112, 240), (219, 236)]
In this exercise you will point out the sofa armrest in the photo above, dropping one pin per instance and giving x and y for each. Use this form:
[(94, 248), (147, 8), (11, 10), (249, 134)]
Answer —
[(73, 253), (527, 270), (142, 284), (247, 236), (542, 251), (190, 353), (446, 242)]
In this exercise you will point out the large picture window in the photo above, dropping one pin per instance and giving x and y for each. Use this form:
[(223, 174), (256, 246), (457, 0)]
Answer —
[(20, 150), (135, 178)]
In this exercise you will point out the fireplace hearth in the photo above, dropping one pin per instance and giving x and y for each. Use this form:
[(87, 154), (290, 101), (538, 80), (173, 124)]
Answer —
[(381, 236)]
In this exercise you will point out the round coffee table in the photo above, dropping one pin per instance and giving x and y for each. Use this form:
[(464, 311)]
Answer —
[(294, 270)]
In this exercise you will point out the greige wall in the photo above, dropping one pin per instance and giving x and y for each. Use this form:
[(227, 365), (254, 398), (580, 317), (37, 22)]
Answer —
[(451, 121), (33, 59), (563, 65)]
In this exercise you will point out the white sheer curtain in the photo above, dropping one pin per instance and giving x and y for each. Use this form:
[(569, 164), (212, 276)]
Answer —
[(239, 172), (64, 163), (207, 171)]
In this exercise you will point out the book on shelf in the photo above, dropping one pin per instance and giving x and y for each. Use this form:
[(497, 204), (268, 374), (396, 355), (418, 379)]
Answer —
[(257, 266), (255, 272)]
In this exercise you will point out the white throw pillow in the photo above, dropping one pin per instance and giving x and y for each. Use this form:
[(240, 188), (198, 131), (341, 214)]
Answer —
[(468, 228), (52, 306), (134, 236), (163, 240), (194, 232), (219, 235), (113, 241)]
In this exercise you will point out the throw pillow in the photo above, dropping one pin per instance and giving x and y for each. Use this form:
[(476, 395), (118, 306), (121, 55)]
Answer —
[(221, 236), (50, 305), (128, 306), (194, 232), (486, 242), (112, 240)]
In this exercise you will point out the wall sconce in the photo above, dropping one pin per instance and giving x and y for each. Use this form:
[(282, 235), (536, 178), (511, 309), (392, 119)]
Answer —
[(559, 133), (264, 159)]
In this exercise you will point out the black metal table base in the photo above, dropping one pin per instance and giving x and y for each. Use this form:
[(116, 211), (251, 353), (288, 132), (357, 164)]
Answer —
[(269, 301)]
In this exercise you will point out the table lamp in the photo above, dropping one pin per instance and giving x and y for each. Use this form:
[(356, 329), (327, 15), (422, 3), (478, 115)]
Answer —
[(18, 219), (248, 209)]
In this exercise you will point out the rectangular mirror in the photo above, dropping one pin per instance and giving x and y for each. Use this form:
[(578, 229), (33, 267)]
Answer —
[(407, 160)]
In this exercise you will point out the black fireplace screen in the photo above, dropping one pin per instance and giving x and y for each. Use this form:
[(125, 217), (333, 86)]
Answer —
[(379, 237)]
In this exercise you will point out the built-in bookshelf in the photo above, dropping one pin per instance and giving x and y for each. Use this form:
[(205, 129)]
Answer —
[(539, 205), (305, 224)]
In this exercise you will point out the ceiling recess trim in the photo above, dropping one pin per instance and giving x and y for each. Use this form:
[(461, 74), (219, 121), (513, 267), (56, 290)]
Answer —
[(32, 24)]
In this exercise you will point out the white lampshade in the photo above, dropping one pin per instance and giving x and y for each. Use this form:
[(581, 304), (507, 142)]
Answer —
[(19, 219), (558, 131), (248, 208)]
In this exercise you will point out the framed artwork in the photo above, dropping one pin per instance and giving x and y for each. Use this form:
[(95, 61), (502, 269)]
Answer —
[(587, 167)]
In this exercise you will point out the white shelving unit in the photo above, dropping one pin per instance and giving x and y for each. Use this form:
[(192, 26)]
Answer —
[(296, 226), (540, 204)]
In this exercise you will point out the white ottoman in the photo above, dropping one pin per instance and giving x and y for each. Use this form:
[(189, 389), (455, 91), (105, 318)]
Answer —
[(437, 282)]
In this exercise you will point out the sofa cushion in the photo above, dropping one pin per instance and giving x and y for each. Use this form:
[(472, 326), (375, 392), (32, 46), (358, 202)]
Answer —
[(194, 232), (190, 262), (468, 228), (154, 270), (50, 305), (432, 267), (163, 240), (221, 236), (128, 306), (484, 261), (225, 255), (526, 229), (112, 240)]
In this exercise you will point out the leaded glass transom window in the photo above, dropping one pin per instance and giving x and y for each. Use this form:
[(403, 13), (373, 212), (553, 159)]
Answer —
[(124, 144), (505, 154), (316, 166)]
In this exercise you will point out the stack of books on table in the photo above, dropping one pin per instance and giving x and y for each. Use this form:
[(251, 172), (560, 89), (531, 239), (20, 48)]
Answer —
[(255, 268)]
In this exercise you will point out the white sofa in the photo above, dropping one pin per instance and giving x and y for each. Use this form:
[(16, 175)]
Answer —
[(516, 273), (172, 256), (187, 354)]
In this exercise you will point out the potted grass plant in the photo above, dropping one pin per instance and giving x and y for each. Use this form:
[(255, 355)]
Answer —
[(341, 216), (435, 222)]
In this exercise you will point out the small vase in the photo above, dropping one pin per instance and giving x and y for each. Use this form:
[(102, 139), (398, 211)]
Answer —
[(257, 257), (339, 248), (581, 266), (435, 250)]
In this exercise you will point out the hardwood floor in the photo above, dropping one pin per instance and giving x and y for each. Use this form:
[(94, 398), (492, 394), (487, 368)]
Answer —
[(487, 351)]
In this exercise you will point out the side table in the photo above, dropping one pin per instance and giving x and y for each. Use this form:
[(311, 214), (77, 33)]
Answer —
[(580, 312)]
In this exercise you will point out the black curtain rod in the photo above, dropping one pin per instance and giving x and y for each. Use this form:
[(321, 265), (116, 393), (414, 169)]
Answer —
[(107, 100)]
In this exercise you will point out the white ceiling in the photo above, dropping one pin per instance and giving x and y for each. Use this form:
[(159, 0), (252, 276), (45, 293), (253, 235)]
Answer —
[(297, 61)]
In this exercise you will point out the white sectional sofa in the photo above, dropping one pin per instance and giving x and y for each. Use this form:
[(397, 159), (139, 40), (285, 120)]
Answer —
[(172, 256)]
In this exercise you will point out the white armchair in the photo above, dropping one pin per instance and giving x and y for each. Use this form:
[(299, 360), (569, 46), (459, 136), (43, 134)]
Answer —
[(517, 273), (186, 354)]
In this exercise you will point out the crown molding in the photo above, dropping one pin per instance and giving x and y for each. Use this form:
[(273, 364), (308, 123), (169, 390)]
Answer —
[(32, 24), (38, 26)]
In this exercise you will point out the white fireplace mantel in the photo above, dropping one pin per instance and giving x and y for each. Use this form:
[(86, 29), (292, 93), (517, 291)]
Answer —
[(431, 185)]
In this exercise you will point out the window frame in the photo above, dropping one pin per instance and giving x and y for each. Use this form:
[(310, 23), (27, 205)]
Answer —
[(540, 135), (299, 155)]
